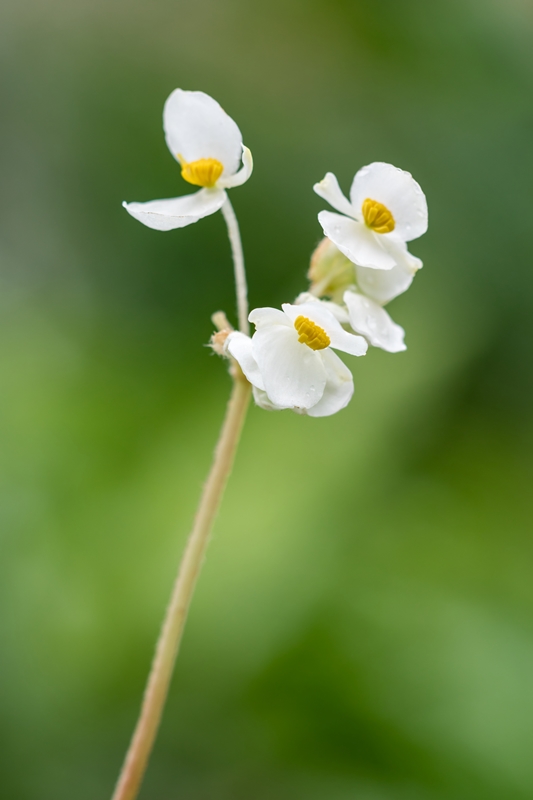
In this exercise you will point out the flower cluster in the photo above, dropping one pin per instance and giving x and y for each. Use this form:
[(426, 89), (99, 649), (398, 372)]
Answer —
[(361, 264)]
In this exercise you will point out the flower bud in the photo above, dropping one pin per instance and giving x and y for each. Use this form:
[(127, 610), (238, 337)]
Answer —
[(218, 341), (330, 272)]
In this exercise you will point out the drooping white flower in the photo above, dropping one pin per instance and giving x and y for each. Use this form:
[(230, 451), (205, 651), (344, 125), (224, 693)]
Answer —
[(387, 208), (208, 146), (289, 360), (372, 321)]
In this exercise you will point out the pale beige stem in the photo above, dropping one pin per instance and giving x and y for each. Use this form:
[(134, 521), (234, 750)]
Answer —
[(241, 287), (169, 640)]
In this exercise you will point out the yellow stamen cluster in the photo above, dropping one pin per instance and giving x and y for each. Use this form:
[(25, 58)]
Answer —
[(377, 216), (204, 172), (310, 334)]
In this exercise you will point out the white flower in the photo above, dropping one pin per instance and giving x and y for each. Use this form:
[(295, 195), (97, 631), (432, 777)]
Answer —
[(289, 360), (387, 208), (208, 145)]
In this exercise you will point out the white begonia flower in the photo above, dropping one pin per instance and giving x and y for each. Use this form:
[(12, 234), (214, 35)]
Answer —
[(208, 146), (387, 208), (289, 360)]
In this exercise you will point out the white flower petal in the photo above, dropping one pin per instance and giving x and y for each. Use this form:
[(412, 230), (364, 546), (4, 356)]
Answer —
[(339, 312), (262, 317), (240, 347), (177, 212), (398, 191), (371, 320), (306, 297), (356, 241), (329, 190), (321, 316), (197, 127), (293, 374), (263, 400), (382, 285), (242, 175), (339, 387), (399, 252)]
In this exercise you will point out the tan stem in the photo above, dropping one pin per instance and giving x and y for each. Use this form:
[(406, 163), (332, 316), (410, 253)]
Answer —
[(241, 287), (130, 779)]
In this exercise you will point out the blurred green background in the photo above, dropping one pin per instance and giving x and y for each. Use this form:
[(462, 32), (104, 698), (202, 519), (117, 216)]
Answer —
[(363, 627)]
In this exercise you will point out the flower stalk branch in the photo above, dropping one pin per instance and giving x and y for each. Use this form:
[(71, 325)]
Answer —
[(238, 262)]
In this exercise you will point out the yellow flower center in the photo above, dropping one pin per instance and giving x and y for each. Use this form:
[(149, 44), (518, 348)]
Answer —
[(204, 172), (310, 334), (377, 216)]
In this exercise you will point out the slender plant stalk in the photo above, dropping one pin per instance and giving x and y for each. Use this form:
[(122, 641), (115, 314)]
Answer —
[(156, 691), (238, 262)]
